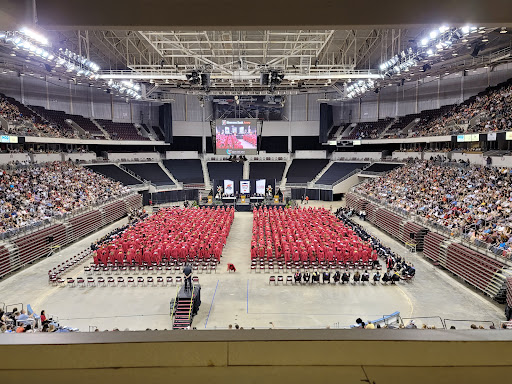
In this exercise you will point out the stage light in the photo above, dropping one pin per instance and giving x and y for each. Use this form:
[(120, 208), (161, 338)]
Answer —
[(430, 52), (433, 34), (34, 35), (503, 30), (443, 29), (485, 39), (465, 29), (424, 42)]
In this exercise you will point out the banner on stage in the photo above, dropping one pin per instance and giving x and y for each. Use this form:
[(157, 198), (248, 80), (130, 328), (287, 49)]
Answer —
[(245, 186), (229, 187), (260, 186)]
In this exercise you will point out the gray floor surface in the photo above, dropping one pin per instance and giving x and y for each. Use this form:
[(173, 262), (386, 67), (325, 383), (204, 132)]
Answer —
[(246, 298)]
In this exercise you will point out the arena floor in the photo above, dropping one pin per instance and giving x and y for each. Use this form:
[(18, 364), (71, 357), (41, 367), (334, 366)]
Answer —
[(246, 298)]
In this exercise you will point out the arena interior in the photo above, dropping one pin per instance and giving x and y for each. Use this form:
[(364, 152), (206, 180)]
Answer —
[(256, 194)]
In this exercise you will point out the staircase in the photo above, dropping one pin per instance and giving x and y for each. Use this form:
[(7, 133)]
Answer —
[(169, 174), (349, 130), (246, 170), (76, 128), (393, 122), (408, 128), (131, 173), (183, 314), (206, 175), (283, 180), (105, 133)]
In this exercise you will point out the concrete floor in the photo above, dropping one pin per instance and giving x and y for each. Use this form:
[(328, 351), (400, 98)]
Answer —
[(246, 298)]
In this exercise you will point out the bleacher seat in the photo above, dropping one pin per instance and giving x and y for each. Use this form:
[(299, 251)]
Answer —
[(115, 173), (337, 171), (267, 170), (305, 170), (225, 170), (151, 172), (120, 131), (187, 171), (382, 167)]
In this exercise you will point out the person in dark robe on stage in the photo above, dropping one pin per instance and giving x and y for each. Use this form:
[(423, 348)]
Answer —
[(187, 272)]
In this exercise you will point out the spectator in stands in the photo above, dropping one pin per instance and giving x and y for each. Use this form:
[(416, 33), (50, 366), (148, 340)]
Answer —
[(35, 193), (411, 325)]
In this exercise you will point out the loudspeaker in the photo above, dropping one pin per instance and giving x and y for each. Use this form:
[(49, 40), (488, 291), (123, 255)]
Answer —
[(264, 77), (476, 50)]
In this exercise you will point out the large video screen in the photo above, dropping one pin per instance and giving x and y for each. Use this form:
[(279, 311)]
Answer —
[(236, 137)]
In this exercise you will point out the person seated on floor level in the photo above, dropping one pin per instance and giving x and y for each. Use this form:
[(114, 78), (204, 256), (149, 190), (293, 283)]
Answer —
[(365, 276), (306, 277), (326, 276), (345, 278), (337, 276), (357, 277), (395, 277), (376, 277), (359, 323), (315, 277), (386, 277), (297, 276)]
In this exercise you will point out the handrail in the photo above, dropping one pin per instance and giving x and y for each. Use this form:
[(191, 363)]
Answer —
[(191, 302), (425, 317)]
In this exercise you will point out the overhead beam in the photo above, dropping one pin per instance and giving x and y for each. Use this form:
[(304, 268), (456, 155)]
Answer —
[(284, 14)]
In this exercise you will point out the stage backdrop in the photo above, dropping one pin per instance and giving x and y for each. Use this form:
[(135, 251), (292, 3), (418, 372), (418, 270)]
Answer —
[(260, 186), (245, 187), (229, 187)]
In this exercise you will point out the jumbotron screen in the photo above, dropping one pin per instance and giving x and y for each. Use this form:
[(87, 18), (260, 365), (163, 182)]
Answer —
[(236, 137)]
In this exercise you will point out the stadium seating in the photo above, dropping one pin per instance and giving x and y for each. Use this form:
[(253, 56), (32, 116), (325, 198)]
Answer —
[(57, 118), (369, 130), (85, 223), (303, 171), (151, 172), (381, 167), (88, 126), (120, 131), (186, 171), (115, 173), (5, 262), (267, 170), (337, 171), (225, 170)]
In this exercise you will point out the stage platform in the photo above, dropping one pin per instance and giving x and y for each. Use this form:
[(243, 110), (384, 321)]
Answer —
[(241, 207)]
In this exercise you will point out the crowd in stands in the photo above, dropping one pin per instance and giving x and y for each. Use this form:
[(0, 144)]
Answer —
[(471, 200), (21, 124), (493, 108), (177, 233), (33, 193)]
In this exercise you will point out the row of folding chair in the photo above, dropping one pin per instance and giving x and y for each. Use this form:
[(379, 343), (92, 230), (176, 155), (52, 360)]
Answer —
[(321, 280), (121, 281), (145, 270), (66, 266)]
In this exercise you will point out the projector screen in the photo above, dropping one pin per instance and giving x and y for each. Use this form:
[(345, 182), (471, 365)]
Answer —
[(236, 137)]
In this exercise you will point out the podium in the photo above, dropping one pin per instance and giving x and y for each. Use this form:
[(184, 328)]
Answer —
[(276, 199), (210, 199), (242, 199)]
